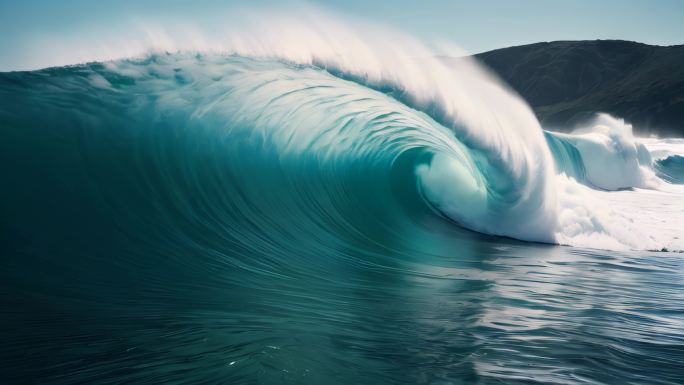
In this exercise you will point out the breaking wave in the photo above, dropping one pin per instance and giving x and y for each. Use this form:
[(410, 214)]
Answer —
[(323, 126)]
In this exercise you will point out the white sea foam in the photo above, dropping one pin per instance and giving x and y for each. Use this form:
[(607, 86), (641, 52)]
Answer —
[(646, 212)]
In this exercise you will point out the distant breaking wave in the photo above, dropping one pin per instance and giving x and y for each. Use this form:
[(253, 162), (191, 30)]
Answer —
[(320, 130), (632, 194)]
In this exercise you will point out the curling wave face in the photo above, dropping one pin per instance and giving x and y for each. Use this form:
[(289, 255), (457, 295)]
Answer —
[(317, 88), (494, 171)]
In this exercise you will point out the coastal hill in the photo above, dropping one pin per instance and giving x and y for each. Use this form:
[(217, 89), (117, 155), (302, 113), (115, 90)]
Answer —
[(567, 82)]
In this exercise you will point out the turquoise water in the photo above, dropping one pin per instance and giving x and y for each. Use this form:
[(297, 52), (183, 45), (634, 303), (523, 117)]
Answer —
[(671, 169), (159, 227)]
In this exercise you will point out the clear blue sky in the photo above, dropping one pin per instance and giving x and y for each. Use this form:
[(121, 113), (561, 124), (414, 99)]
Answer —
[(474, 25)]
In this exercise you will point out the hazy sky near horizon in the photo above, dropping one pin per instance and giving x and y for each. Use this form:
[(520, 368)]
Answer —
[(29, 27)]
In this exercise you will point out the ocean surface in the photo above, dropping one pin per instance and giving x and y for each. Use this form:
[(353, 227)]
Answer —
[(241, 219)]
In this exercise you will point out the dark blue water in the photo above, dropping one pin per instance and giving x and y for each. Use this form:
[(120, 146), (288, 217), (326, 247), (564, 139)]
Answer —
[(145, 238)]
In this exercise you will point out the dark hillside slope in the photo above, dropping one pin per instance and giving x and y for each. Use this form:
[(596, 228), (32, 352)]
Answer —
[(567, 82)]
